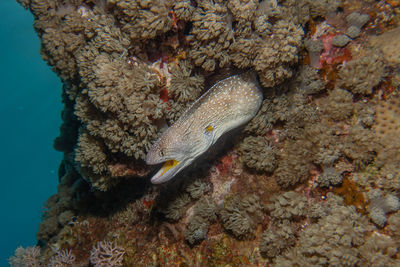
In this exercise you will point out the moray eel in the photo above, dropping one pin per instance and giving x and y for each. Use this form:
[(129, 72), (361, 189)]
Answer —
[(226, 105)]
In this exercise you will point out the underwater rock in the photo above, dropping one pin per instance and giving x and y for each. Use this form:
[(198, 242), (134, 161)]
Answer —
[(353, 32), (340, 40), (357, 20), (389, 44)]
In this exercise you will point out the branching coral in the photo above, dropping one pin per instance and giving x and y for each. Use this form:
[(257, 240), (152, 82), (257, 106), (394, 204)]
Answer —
[(106, 253), (63, 258), (29, 256)]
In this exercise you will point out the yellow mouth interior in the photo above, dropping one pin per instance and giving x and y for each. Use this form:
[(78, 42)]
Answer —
[(168, 165)]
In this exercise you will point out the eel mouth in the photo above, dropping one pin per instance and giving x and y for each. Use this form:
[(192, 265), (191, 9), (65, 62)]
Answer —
[(168, 170)]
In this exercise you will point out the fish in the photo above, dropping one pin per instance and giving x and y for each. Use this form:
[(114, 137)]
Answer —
[(228, 104)]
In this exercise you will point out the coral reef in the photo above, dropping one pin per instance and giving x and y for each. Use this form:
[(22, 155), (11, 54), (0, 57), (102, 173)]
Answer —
[(388, 43), (312, 180), (259, 153), (62, 258), (330, 176), (176, 208), (25, 257), (203, 215), (340, 40), (380, 205), (241, 216), (106, 253), (339, 104), (287, 205), (321, 243), (360, 76), (278, 53), (277, 239)]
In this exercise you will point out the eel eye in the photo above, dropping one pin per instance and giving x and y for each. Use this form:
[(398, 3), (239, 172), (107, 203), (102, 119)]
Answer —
[(208, 130), (161, 153)]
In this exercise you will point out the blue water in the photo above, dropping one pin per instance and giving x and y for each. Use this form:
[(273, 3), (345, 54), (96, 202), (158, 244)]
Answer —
[(30, 106)]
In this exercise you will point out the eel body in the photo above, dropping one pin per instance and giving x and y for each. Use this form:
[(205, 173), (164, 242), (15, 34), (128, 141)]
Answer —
[(226, 105)]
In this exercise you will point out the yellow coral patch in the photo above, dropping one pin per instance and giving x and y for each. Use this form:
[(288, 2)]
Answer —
[(169, 164)]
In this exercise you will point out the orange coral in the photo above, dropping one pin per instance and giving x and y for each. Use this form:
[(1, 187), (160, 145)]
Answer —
[(351, 194)]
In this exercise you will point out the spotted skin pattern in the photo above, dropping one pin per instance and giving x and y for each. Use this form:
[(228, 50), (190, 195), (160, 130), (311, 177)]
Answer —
[(226, 105)]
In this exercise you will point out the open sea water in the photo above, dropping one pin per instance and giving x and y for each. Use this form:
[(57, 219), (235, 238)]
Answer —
[(30, 106)]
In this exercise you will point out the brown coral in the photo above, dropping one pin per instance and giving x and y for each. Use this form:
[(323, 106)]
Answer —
[(259, 153), (278, 53), (360, 76)]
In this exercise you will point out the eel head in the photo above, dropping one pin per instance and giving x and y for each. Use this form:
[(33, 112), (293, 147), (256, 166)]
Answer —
[(177, 148)]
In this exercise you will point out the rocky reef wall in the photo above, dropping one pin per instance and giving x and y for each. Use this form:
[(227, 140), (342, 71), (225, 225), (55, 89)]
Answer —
[(312, 180)]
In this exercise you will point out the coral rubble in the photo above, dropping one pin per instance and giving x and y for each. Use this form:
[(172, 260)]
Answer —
[(312, 180)]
